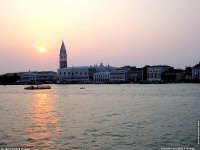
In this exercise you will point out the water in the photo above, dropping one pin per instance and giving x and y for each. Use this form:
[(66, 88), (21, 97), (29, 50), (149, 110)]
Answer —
[(126, 116)]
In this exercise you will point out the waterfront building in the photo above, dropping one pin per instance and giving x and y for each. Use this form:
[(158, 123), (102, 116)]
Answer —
[(144, 73), (102, 77), (126, 74), (134, 74), (173, 76), (37, 77), (47, 77), (119, 75), (154, 72), (103, 68), (28, 78), (188, 74), (81, 74), (63, 56), (196, 72)]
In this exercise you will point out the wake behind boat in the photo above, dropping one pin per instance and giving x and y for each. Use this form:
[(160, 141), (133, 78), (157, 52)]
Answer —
[(38, 87)]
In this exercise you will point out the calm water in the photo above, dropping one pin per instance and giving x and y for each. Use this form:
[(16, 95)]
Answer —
[(100, 116)]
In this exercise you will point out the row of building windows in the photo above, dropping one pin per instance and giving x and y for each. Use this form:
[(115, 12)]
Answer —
[(102, 76), (153, 74), (154, 78), (157, 69), (72, 73), (75, 80), (102, 80)]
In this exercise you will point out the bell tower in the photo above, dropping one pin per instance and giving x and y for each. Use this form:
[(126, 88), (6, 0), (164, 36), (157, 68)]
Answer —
[(63, 56)]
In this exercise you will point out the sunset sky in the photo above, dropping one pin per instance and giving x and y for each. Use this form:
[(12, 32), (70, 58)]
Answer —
[(116, 32)]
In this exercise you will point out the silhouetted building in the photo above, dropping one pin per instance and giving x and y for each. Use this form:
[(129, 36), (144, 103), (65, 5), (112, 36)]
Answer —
[(9, 78), (188, 74), (173, 76), (144, 73)]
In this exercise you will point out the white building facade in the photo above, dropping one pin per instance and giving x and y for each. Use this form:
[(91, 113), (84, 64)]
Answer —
[(154, 72), (102, 77), (83, 74)]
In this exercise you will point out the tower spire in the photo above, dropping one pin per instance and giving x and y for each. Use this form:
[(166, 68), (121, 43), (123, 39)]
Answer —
[(63, 46), (63, 56)]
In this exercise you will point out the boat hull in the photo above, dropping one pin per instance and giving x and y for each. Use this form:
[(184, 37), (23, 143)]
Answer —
[(37, 87)]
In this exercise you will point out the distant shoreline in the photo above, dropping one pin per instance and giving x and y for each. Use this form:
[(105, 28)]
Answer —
[(100, 83)]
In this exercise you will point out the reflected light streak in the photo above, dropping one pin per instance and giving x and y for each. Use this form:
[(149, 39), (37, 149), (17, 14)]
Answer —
[(45, 123)]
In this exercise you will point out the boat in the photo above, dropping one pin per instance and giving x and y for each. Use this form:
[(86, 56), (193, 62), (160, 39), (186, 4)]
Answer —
[(38, 87)]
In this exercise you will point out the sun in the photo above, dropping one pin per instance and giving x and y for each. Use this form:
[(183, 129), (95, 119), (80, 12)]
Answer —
[(41, 49)]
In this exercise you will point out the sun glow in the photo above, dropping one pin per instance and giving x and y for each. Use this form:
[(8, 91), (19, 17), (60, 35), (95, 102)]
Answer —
[(41, 49)]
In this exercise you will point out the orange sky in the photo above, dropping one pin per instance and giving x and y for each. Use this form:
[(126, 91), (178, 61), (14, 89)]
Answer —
[(117, 32)]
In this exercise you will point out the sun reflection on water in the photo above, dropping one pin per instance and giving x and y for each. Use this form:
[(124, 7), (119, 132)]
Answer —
[(44, 129)]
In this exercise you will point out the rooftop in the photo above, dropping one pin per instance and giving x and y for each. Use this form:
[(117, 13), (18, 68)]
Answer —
[(197, 65), (87, 67), (160, 66)]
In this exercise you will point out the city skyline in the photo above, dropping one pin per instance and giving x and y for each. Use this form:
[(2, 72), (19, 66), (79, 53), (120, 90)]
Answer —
[(118, 33)]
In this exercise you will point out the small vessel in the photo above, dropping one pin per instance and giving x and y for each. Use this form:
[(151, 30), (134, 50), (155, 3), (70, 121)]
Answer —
[(38, 87)]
